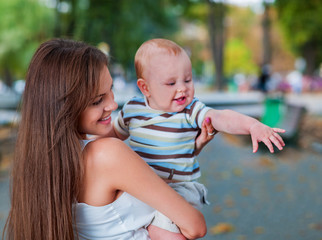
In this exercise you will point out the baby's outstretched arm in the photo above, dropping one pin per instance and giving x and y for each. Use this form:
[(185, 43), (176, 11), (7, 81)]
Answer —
[(232, 122)]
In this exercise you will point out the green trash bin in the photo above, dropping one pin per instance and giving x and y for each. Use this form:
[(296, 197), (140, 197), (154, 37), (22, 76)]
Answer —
[(273, 111)]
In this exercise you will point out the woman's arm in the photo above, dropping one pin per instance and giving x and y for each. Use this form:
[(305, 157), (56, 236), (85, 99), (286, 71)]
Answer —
[(116, 167)]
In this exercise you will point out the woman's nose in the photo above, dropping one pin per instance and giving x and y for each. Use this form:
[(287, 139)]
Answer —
[(111, 107)]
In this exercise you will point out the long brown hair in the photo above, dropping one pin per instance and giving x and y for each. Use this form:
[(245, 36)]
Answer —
[(47, 169)]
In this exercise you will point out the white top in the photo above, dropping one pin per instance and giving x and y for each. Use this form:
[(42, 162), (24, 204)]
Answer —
[(125, 218)]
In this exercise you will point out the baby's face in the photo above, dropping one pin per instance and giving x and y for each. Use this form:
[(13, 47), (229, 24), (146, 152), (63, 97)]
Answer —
[(169, 79)]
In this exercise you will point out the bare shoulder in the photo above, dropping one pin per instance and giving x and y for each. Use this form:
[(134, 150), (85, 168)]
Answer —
[(102, 168), (105, 153), (103, 145)]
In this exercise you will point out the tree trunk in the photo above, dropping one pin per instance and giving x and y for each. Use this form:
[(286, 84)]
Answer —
[(72, 18), (216, 31), (57, 29), (309, 54), (8, 80), (266, 25)]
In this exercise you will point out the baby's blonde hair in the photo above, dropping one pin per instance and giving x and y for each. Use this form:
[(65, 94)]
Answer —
[(150, 48)]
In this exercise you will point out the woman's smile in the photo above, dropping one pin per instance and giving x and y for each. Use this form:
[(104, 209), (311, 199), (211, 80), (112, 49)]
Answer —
[(106, 120)]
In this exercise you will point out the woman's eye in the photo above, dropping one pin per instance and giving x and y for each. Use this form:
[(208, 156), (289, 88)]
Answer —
[(97, 102)]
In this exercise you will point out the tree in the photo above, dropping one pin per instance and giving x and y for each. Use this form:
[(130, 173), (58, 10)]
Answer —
[(23, 25), (69, 18), (266, 25), (212, 14), (124, 25), (302, 24), (217, 11)]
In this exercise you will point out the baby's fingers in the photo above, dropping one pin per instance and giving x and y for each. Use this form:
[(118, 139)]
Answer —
[(279, 138), (278, 130), (255, 144), (277, 142), (269, 145)]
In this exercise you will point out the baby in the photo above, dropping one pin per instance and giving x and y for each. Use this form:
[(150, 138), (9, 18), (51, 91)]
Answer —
[(163, 124)]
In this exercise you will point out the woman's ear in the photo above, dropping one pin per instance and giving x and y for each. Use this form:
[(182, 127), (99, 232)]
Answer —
[(143, 86)]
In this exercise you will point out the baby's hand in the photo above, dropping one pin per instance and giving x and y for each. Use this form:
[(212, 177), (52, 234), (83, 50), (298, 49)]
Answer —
[(262, 133)]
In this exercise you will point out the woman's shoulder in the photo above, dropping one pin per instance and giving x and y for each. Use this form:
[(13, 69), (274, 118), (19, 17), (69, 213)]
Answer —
[(105, 141), (104, 152)]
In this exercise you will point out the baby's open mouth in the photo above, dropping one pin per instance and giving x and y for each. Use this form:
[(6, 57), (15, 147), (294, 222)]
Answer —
[(180, 99)]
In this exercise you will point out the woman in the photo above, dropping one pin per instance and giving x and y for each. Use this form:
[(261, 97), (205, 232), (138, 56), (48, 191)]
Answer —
[(59, 178)]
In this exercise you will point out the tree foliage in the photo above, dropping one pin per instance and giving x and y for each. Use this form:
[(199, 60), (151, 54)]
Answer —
[(23, 25), (124, 25), (302, 24), (238, 58)]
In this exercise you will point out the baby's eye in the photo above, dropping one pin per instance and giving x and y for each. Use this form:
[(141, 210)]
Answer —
[(171, 83), (188, 80), (97, 102)]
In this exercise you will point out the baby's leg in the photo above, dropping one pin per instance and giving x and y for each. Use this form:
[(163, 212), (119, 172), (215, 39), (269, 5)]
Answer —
[(157, 233)]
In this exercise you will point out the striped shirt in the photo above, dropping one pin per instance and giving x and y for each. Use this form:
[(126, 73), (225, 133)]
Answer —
[(165, 140)]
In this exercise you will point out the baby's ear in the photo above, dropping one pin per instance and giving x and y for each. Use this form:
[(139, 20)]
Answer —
[(143, 86)]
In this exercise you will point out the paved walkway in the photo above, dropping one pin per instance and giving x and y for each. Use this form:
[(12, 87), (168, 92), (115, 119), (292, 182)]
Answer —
[(4, 199), (261, 196)]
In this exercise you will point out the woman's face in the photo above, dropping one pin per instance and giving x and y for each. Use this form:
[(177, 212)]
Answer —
[(96, 118)]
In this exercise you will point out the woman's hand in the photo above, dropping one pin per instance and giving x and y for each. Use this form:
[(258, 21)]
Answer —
[(207, 133)]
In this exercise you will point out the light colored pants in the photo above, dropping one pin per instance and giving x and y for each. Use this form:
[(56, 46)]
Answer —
[(195, 193)]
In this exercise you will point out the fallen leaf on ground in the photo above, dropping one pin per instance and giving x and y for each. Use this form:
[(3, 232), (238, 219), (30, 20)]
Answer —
[(266, 162), (221, 228), (316, 226), (238, 172), (259, 230), (217, 209), (229, 201), (245, 192)]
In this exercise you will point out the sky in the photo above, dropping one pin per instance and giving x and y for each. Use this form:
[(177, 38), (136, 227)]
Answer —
[(244, 2), (255, 5)]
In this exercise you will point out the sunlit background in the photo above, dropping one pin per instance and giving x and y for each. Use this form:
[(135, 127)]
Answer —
[(261, 58)]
